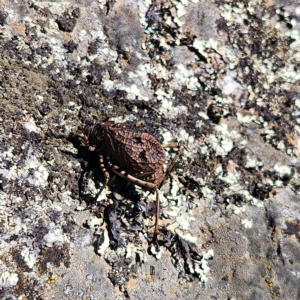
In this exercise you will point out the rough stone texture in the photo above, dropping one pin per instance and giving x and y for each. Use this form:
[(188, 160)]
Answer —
[(222, 77)]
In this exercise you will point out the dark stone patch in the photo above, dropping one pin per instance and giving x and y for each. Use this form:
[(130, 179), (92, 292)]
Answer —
[(66, 24), (76, 12), (214, 113), (122, 270), (71, 46), (3, 17), (54, 255), (38, 233), (93, 47), (27, 286), (293, 227), (17, 257), (96, 72)]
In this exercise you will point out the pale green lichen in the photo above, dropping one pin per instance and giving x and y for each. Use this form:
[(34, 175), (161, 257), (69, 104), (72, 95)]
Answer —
[(223, 142)]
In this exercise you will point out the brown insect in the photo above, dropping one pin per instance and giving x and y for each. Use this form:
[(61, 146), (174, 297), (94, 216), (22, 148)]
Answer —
[(130, 153)]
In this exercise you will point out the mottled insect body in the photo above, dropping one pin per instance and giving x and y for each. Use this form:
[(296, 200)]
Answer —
[(137, 152), (130, 153)]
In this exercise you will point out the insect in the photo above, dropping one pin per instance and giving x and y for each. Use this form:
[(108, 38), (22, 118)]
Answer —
[(131, 154)]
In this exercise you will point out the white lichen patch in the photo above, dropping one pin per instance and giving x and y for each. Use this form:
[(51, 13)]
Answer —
[(94, 222), (252, 162), (223, 141), (204, 47), (183, 221), (209, 254), (281, 145), (103, 243), (236, 208), (229, 85), (208, 193), (55, 236), (169, 110), (8, 280), (93, 190), (157, 251), (66, 197), (247, 223), (28, 257), (122, 119), (39, 174), (8, 153), (222, 144), (172, 227), (152, 197), (132, 251), (232, 179), (3, 245), (187, 237), (200, 267), (235, 186), (184, 76), (29, 124), (283, 170), (18, 225), (245, 118)]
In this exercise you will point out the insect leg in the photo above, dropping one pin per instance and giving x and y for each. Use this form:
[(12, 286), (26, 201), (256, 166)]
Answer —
[(144, 175), (86, 141), (104, 171), (171, 145), (156, 216), (144, 184), (107, 179), (83, 137)]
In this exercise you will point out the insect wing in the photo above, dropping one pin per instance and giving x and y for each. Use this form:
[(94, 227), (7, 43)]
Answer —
[(134, 150)]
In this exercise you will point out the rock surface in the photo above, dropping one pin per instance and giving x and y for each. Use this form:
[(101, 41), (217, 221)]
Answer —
[(221, 77)]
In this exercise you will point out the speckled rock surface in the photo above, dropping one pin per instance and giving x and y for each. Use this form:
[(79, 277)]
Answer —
[(221, 77)]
